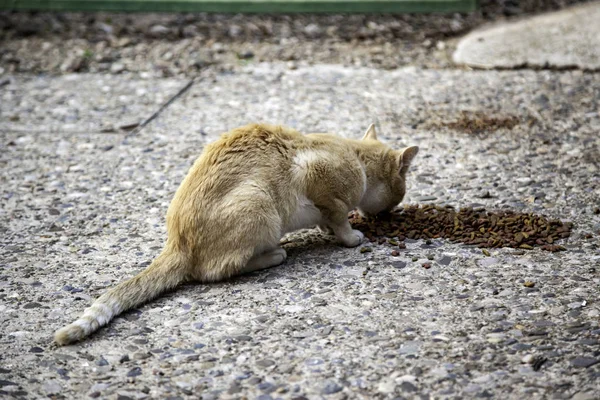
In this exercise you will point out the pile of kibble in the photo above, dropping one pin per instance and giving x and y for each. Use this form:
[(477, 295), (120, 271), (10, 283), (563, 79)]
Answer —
[(477, 227)]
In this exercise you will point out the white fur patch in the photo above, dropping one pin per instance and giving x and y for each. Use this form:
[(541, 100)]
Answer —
[(306, 157), (114, 305), (83, 324), (303, 159), (101, 309), (306, 215), (375, 199), (101, 320)]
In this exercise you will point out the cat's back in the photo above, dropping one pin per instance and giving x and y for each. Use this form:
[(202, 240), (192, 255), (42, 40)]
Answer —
[(257, 144), (255, 155)]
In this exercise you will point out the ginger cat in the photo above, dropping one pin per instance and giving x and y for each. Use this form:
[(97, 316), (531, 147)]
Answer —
[(243, 193)]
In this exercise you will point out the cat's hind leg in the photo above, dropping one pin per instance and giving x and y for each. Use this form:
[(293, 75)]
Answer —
[(270, 258)]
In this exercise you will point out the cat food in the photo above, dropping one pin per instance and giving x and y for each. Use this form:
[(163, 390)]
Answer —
[(477, 227)]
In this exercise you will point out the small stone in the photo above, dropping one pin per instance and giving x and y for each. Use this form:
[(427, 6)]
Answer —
[(52, 387), (408, 387), (529, 284), (426, 265), (445, 260), (426, 198), (36, 350), (246, 55), (395, 253), (235, 388), (101, 362), (108, 129), (265, 363), (331, 388), (366, 249), (127, 126), (117, 68), (528, 359), (584, 362), (313, 30), (140, 355), (496, 337), (387, 386), (134, 372), (158, 31), (262, 318)]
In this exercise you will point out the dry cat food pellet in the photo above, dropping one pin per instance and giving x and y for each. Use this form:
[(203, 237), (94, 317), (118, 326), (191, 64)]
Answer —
[(477, 227)]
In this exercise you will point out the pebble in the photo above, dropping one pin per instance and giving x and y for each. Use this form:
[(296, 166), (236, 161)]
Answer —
[(137, 371), (117, 68), (52, 387), (36, 350), (32, 305), (141, 355), (331, 388), (584, 362), (386, 386), (265, 363), (245, 55), (101, 362), (408, 387), (159, 30)]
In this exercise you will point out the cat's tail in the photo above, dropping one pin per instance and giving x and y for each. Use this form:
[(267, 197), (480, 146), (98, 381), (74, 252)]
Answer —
[(166, 271)]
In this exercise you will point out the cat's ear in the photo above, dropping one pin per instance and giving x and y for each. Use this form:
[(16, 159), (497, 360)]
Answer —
[(370, 133), (406, 156)]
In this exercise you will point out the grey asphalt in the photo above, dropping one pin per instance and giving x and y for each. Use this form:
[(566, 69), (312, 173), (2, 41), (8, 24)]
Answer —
[(82, 207)]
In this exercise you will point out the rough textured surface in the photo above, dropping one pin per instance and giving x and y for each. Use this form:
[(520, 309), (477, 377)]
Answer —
[(569, 38), (181, 44), (82, 211), (80, 102)]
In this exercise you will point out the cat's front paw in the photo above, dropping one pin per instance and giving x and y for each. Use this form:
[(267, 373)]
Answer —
[(353, 239)]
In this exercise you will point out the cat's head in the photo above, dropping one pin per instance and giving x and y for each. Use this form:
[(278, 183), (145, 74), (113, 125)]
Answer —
[(386, 173)]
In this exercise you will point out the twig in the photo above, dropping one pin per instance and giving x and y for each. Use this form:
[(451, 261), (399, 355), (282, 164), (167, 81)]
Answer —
[(161, 108)]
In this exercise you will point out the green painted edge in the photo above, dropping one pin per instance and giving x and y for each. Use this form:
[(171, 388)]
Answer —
[(246, 6)]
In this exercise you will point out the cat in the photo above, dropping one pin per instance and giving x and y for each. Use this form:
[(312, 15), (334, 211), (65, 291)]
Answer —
[(245, 191)]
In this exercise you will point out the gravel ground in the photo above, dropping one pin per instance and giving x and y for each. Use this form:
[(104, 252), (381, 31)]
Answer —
[(165, 45), (83, 193), (81, 211)]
